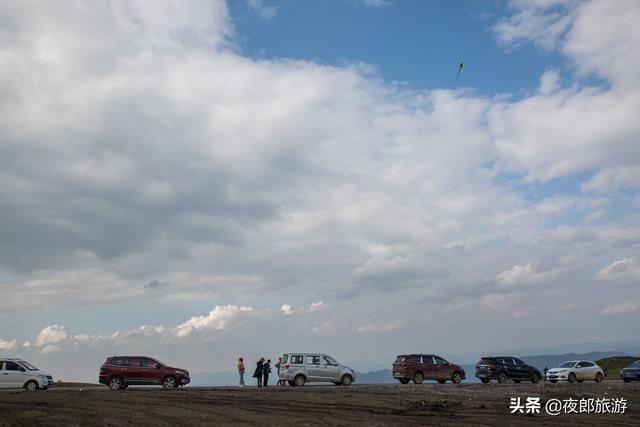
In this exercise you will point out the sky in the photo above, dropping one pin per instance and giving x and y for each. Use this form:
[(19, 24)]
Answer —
[(203, 180)]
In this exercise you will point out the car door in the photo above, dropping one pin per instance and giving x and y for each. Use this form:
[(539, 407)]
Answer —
[(442, 369), (149, 373), (14, 374), (585, 371), (428, 366), (313, 368), (331, 368), (4, 379), (520, 371)]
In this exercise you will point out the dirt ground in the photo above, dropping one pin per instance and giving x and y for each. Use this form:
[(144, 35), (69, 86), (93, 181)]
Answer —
[(448, 404)]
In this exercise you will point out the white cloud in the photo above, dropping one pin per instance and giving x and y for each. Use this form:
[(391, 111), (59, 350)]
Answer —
[(217, 319), (286, 309), (262, 9), (377, 3), (528, 273), (625, 307), (7, 345), (625, 270), (52, 334), (315, 306), (26, 344)]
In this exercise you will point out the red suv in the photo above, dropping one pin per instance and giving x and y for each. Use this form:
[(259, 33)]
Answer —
[(119, 372), (420, 367)]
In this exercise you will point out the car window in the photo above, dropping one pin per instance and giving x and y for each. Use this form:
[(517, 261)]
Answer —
[(147, 363), (584, 365), (28, 365), (427, 359), (313, 360), (1, 365), (328, 360), (567, 365), (635, 364), (504, 361), (440, 361), (415, 359), (285, 357), (297, 359), (519, 363), (11, 366)]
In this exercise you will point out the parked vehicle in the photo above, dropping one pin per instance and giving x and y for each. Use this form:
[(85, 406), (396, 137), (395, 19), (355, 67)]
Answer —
[(18, 373), (420, 367), (300, 368), (119, 372), (631, 372), (576, 370), (505, 368)]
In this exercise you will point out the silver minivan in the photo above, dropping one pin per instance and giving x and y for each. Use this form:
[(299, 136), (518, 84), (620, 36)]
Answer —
[(300, 368), (17, 373)]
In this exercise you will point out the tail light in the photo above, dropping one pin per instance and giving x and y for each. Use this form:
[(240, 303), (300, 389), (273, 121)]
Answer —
[(286, 366), (491, 366)]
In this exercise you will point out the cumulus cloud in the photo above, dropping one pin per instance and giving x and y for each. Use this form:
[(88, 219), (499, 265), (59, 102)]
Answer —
[(217, 319), (286, 309), (52, 334), (7, 345)]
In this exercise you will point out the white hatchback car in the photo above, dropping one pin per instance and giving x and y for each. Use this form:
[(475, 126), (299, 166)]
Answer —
[(576, 370), (17, 373)]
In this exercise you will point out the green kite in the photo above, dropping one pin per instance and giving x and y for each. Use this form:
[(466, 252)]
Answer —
[(460, 65)]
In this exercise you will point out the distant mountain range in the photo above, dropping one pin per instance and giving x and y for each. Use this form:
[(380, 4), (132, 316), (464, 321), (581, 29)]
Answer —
[(385, 376)]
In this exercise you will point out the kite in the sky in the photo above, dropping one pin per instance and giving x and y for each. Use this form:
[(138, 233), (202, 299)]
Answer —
[(460, 65)]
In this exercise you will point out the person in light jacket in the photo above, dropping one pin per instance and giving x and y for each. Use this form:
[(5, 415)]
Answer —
[(241, 371)]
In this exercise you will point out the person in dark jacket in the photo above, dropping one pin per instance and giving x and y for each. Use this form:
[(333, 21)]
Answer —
[(257, 374), (266, 370)]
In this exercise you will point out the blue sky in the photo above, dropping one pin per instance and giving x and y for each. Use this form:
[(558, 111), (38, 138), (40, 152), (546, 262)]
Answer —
[(271, 181), (415, 42)]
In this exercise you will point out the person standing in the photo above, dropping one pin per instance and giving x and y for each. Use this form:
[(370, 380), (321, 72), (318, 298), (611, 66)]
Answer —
[(266, 370), (241, 371), (257, 374), (546, 369), (277, 366)]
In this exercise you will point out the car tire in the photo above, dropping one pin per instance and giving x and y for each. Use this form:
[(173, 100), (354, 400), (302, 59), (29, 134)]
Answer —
[(456, 378), (535, 379), (599, 377), (418, 378), (346, 380), (115, 383), (485, 380), (503, 377), (404, 380), (31, 386), (571, 378), (299, 381), (169, 382), (626, 380)]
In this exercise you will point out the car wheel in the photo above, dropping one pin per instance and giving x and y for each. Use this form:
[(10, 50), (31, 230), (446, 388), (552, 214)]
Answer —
[(299, 381), (503, 378), (599, 377), (404, 380), (31, 386), (346, 380), (572, 378), (418, 378), (626, 380), (115, 383), (535, 378), (291, 383), (169, 382), (456, 378), (485, 380)]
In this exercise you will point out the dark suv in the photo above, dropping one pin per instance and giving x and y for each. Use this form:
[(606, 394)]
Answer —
[(119, 372), (420, 367), (506, 368)]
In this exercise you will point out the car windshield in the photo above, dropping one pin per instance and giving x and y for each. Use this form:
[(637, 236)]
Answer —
[(567, 365), (159, 362), (635, 364), (28, 365)]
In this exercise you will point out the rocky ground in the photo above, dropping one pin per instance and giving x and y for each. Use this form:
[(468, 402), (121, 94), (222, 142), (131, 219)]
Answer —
[(464, 404)]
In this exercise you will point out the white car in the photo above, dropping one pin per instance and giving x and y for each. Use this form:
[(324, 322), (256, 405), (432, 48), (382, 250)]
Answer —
[(17, 373), (576, 370)]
